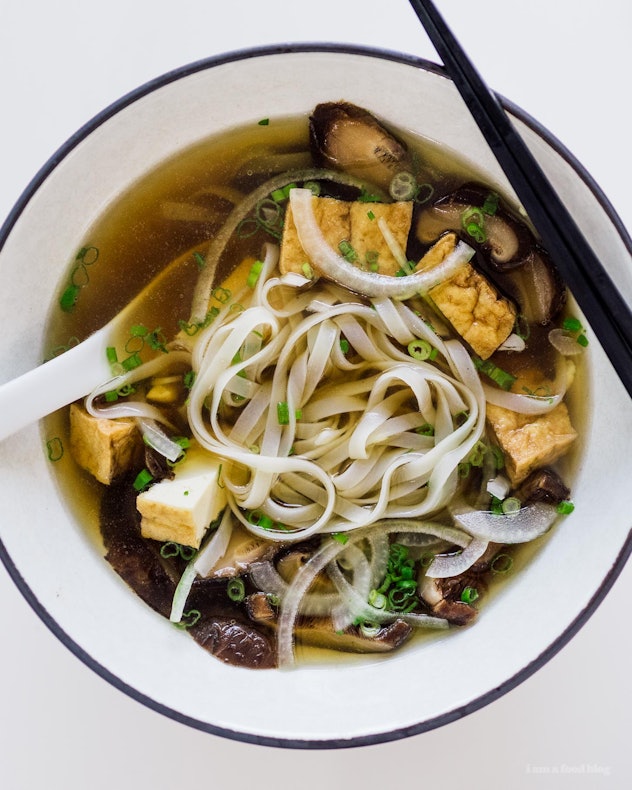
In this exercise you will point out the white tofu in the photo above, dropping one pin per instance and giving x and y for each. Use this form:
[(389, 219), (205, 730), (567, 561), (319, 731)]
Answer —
[(181, 509)]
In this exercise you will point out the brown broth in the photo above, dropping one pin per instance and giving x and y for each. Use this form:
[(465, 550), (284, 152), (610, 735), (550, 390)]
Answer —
[(135, 242)]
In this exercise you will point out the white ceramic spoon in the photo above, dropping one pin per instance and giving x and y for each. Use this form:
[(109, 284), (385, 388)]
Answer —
[(76, 372)]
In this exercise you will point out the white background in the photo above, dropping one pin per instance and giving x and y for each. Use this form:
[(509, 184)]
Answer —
[(568, 64)]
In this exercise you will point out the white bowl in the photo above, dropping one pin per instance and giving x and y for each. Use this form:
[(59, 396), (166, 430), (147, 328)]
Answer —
[(71, 587)]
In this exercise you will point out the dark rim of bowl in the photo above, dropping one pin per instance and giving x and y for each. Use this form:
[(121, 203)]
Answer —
[(92, 663)]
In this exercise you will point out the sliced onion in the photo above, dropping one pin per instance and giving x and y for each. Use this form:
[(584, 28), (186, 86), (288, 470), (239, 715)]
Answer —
[(565, 342), (182, 593), (445, 566), (528, 524), (156, 438), (215, 549), (333, 266)]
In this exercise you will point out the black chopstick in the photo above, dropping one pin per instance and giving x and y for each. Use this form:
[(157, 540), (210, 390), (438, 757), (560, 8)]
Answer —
[(604, 307)]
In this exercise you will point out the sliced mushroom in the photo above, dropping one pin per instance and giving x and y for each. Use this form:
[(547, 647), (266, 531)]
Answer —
[(537, 287), (235, 643), (348, 138), (543, 485), (243, 550), (434, 594), (320, 631), (505, 241)]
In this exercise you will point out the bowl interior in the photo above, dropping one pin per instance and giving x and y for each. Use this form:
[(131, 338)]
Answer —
[(57, 565)]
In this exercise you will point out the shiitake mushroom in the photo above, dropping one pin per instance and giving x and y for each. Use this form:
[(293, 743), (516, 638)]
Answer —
[(509, 251), (349, 139)]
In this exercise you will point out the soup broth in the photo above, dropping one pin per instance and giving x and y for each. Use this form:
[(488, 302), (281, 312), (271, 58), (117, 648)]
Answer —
[(306, 544)]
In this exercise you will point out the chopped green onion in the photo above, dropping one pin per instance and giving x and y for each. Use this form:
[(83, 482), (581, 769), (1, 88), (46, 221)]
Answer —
[(133, 361), (69, 297), (347, 251), (344, 345), (221, 294), (469, 595), (565, 507), (236, 590), (420, 350), (313, 186), (253, 276), (369, 630), (170, 549), (371, 259), (403, 186), (490, 206), (341, 537), (263, 122), (368, 197), (111, 396), (189, 379), (582, 340), (283, 413), (425, 430), (111, 355), (424, 193), (477, 454), (88, 255), (499, 376), (511, 506), (307, 270), (572, 324), (55, 449), (143, 479), (377, 599), (502, 563), (189, 619), (199, 259), (499, 456)]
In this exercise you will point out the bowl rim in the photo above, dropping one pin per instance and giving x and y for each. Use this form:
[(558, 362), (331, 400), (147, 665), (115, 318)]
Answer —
[(38, 607)]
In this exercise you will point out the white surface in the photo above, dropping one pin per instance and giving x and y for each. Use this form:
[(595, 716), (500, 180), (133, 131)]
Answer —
[(61, 725)]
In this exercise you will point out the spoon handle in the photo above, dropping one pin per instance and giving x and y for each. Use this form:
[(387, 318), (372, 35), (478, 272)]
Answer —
[(54, 384)]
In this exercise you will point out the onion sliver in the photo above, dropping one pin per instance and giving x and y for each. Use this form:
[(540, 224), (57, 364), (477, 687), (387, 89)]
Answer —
[(528, 524), (333, 266), (442, 567)]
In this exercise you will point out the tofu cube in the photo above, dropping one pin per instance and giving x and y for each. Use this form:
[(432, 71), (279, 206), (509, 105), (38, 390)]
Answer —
[(356, 223), (368, 240), (472, 305), (530, 442), (181, 509), (332, 217), (103, 447)]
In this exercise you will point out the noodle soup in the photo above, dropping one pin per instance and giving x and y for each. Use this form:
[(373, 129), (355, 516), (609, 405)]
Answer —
[(348, 407)]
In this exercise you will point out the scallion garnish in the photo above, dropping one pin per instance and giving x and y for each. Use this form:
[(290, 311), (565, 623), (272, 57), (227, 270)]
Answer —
[(490, 206), (253, 275), (55, 449), (68, 299), (421, 350), (565, 507), (502, 563), (347, 251), (264, 122), (143, 479), (236, 590), (469, 595), (499, 376), (425, 430), (283, 413)]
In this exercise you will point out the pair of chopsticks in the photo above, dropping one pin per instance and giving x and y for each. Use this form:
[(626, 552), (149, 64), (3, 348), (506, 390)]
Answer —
[(602, 304)]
